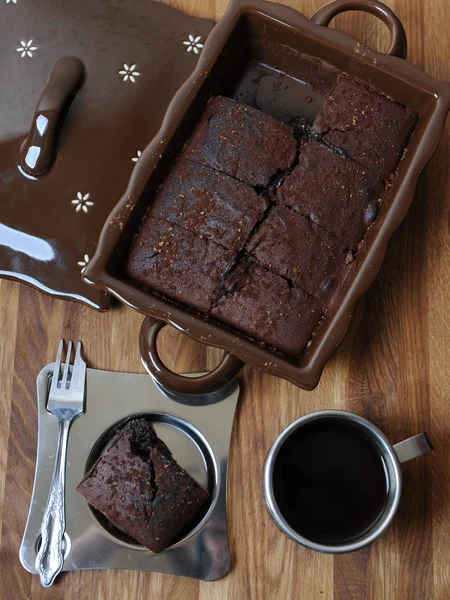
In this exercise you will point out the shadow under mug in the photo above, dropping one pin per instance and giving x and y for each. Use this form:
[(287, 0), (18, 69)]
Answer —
[(391, 455)]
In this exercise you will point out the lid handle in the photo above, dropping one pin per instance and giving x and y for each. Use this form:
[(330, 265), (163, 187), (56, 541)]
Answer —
[(38, 152)]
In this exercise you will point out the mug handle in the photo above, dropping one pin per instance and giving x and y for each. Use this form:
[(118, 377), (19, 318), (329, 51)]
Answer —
[(415, 446), (225, 372), (398, 44)]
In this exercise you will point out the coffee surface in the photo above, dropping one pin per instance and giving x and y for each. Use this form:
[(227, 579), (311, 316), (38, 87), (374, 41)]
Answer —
[(330, 482)]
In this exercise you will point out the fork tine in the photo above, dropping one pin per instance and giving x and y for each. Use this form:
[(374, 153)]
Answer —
[(79, 369), (66, 366), (57, 368)]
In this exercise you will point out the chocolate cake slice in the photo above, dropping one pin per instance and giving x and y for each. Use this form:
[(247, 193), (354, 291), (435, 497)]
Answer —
[(209, 203), (174, 262), (241, 141), (293, 247), (141, 489), (333, 191), (267, 308), (368, 126)]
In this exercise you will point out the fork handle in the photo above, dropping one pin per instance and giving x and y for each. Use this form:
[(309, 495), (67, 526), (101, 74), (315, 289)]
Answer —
[(50, 559)]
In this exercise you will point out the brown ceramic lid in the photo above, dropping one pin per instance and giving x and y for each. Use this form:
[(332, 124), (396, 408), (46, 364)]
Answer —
[(122, 63)]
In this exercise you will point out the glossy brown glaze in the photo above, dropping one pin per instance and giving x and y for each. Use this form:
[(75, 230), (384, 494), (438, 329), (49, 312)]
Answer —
[(39, 149), (50, 223), (267, 42), (398, 46), (225, 372)]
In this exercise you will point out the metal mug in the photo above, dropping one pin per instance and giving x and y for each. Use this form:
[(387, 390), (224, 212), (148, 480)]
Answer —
[(393, 456)]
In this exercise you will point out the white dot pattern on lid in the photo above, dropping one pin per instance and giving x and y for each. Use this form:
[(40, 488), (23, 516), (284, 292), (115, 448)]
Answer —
[(82, 202), (26, 49), (83, 263), (129, 73), (193, 44)]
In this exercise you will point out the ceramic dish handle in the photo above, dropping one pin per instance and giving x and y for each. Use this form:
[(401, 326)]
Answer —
[(213, 381), (398, 45)]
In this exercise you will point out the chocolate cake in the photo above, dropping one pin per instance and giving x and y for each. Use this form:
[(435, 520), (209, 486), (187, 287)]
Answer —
[(241, 141), (293, 247), (258, 223), (267, 308), (366, 125), (209, 203), (175, 262), (141, 489), (333, 191)]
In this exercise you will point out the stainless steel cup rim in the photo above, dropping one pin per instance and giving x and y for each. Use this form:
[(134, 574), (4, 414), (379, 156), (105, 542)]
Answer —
[(394, 473)]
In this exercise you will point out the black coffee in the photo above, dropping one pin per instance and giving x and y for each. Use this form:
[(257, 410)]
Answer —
[(330, 481)]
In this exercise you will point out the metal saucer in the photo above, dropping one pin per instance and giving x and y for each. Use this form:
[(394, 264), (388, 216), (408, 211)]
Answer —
[(198, 435)]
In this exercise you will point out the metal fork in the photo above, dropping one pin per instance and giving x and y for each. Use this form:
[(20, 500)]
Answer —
[(66, 403)]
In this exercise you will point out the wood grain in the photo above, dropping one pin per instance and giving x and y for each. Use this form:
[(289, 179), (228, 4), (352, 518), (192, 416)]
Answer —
[(392, 368)]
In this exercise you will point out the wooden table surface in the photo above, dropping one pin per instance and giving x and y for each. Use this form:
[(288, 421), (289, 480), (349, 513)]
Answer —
[(393, 368)]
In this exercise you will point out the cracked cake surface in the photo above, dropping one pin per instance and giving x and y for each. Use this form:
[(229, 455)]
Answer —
[(265, 306), (294, 247), (333, 191), (141, 489), (241, 141), (369, 127), (209, 203), (173, 261), (259, 223)]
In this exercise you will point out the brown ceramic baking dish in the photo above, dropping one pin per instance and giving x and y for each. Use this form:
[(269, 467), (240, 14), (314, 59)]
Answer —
[(255, 35)]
